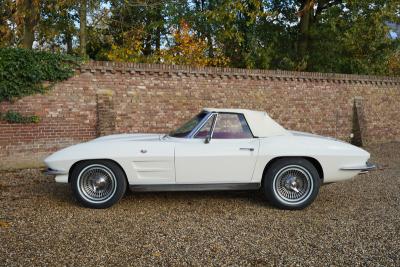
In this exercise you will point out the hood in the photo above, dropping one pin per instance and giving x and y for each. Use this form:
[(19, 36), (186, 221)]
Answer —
[(129, 137), (111, 146)]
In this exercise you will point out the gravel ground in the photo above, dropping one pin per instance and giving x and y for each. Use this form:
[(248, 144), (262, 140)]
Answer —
[(355, 222)]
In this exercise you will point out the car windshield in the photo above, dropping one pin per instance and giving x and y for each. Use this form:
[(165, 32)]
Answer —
[(187, 127)]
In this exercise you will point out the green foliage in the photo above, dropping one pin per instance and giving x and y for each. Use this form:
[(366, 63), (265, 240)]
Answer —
[(342, 36), (354, 40), (16, 117), (22, 72)]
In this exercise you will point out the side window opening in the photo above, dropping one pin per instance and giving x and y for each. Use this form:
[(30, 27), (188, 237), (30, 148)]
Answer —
[(231, 126)]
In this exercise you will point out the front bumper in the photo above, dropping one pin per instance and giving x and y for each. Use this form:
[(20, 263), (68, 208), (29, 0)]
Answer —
[(61, 176), (362, 169), (50, 171)]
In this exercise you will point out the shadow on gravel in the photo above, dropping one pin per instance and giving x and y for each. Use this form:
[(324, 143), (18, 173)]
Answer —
[(255, 198), (63, 193)]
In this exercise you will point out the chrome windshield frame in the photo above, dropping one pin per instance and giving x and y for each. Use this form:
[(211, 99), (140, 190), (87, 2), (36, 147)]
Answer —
[(196, 129)]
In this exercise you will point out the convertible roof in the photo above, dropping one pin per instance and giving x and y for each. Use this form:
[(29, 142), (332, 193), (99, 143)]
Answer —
[(260, 123)]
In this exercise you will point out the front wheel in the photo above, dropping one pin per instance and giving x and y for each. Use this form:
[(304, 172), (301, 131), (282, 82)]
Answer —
[(98, 183), (291, 183)]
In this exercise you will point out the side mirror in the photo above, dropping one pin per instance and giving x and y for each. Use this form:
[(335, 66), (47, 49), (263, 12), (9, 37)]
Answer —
[(208, 139)]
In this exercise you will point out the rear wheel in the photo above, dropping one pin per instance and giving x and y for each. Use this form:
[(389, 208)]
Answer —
[(98, 183), (291, 183)]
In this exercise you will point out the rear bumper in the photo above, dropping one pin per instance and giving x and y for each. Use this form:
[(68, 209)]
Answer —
[(362, 169)]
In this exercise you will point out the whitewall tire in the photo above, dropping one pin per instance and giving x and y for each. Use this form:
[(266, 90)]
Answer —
[(98, 183), (291, 183)]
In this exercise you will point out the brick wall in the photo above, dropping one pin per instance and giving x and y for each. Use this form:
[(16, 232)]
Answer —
[(104, 98)]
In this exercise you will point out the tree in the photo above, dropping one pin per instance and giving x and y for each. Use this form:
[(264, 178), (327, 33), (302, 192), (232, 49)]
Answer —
[(28, 12), (233, 28), (7, 10), (189, 49), (82, 27), (353, 38), (56, 27), (345, 36), (142, 21)]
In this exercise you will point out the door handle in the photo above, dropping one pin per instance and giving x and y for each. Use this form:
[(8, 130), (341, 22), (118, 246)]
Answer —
[(247, 148)]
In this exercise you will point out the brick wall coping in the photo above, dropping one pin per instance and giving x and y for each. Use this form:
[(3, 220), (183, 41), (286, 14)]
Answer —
[(107, 66)]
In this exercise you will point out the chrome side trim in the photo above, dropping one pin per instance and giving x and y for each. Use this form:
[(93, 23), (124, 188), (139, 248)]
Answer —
[(194, 187), (363, 169), (54, 172)]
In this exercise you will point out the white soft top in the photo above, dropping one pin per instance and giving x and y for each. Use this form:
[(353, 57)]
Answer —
[(260, 123)]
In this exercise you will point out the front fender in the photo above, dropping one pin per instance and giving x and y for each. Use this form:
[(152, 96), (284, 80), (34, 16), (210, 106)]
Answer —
[(142, 161)]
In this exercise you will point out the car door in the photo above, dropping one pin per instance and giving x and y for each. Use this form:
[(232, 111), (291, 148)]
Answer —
[(222, 151)]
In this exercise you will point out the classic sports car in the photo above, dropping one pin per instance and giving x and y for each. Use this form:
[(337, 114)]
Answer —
[(218, 149)]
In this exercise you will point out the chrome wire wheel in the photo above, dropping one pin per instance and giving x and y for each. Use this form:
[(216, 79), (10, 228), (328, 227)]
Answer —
[(293, 184), (96, 183)]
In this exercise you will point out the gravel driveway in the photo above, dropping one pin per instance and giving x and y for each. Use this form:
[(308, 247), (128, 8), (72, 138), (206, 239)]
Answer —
[(356, 222)]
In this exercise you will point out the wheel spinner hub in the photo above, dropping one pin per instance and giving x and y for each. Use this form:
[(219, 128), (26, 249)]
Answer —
[(99, 182), (293, 183)]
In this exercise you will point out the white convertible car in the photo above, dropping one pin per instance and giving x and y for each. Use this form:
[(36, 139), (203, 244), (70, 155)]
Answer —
[(218, 149)]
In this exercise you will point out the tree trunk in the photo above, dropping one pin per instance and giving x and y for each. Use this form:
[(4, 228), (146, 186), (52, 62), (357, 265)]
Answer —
[(158, 39), (147, 46), (68, 41), (208, 33), (306, 18), (82, 27), (29, 23), (159, 19), (29, 35), (210, 45)]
